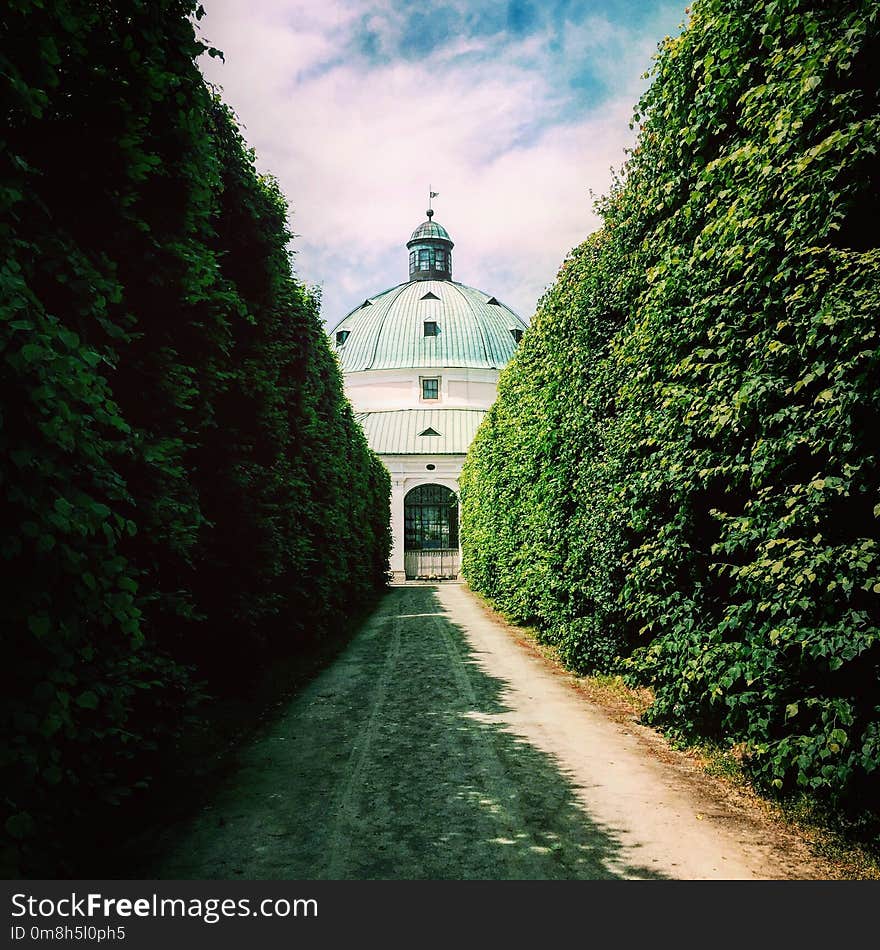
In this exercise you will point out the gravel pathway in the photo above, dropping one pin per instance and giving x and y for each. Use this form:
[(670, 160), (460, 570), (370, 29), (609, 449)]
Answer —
[(437, 747)]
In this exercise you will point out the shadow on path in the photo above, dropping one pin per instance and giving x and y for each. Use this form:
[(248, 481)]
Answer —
[(394, 763)]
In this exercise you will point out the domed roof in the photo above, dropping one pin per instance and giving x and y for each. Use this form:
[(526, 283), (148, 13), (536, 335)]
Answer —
[(430, 229), (388, 331)]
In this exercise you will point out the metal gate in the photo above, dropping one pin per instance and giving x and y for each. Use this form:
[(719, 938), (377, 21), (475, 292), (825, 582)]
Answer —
[(437, 564), (430, 550)]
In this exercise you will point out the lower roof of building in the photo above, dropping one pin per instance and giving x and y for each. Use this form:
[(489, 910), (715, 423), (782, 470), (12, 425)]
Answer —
[(421, 431)]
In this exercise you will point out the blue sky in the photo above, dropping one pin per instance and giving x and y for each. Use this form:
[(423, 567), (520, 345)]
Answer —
[(512, 110)]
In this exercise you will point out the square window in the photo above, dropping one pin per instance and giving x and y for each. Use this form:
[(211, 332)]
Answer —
[(431, 328), (430, 389)]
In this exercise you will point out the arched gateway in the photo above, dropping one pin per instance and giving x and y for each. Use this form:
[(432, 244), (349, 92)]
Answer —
[(430, 515), (420, 364)]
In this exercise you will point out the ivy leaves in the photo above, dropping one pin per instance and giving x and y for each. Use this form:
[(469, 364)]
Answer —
[(169, 401), (707, 366)]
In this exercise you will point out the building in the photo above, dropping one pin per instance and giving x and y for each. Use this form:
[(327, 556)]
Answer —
[(420, 363)]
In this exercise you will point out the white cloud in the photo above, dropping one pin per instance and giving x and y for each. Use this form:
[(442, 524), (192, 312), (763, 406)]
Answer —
[(354, 146)]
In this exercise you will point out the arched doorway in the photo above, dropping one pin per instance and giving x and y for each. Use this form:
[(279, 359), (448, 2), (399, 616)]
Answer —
[(430, 514)]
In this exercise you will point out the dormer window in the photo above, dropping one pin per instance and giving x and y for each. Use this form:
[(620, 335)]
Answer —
[(516, 333), (430, 432), (431, 328), (430, 388), (342, 336)]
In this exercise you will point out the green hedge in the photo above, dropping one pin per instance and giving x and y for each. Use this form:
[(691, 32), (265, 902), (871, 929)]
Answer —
[(176, 454), (680, 477)]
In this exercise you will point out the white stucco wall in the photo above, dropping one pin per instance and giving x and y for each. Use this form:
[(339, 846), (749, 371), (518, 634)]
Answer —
[(408, 471), (460, 388)]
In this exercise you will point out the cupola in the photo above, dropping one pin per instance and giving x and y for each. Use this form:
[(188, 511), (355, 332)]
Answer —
[(430, 251)]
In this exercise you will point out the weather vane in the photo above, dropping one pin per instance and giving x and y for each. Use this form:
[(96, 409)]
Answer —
[(431, 194)]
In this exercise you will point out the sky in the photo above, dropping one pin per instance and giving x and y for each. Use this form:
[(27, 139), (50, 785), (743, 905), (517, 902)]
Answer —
[(512, 111)]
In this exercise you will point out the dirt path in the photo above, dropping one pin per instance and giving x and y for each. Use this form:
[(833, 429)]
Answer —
[(437, 747)]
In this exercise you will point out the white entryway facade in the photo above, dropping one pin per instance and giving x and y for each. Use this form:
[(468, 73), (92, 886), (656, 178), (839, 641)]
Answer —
[(420, 364)]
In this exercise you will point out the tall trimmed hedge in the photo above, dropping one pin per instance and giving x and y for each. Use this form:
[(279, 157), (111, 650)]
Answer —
[(680, 477), (185, 491)]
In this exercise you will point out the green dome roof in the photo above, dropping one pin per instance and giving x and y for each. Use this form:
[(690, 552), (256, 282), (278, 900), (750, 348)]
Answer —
[(387, 331), (430, 229)]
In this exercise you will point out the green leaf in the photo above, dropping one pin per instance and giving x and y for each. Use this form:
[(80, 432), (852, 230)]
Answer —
[(39, 624), (32, 352), (20, 825)]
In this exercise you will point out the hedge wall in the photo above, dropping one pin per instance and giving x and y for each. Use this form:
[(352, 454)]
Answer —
[(680, 476), (176, 454)]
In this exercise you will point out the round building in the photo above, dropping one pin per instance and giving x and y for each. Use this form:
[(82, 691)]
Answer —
[(420, 364)]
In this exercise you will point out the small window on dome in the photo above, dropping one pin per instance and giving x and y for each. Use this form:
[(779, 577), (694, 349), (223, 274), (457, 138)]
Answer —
[(431, 328), (516, 333), (429, 432), (493, 300), (431, 388), (429, 296), (342, 336)]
